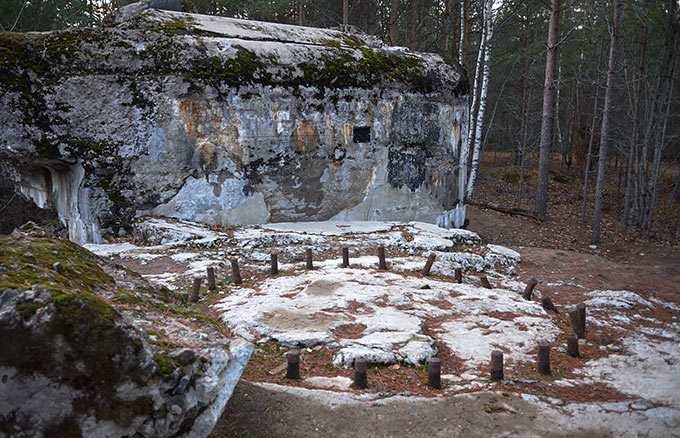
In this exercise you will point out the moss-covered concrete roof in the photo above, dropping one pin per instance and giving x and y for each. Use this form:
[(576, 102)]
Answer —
[(224, 52)]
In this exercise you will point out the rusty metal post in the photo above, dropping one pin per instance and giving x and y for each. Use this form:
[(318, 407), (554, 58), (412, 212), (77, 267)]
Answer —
[(274, 263), (360, 379), (581, 311), (434, 372), (195, 289), (428, 265), (293, 366), (547, 304), (211, 277), (529, 289), (485, 282), (459, 275), (345, 257), (572, 346), (543, 357), (576, 322), (496, 365), (381, 258), (236, 274), (308, 258)]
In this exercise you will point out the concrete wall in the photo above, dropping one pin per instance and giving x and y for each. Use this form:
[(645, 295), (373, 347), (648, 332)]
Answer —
[(143, 120)]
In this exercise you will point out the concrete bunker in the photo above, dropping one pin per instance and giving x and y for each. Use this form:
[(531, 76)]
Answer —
[(232, 122)]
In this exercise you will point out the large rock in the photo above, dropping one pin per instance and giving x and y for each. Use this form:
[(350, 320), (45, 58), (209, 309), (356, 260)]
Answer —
[(90, 349), (228, 121)]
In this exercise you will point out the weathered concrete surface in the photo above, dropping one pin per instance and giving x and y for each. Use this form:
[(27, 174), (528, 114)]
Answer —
[(91, 349), (631, 345), (227, 121), (312, 308)]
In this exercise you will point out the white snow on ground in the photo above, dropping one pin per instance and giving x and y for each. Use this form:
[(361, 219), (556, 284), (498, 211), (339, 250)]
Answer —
[(162, 231), (474, 337), (648, 369), (412, 236), (306, 309), (666, 304), (615, 298), (621, 419), (339, 382), (457, 234), (502, 255), (330, 228), (107, 249)]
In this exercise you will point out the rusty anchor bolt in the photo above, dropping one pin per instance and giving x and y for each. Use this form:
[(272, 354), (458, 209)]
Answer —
[(496, 365), (577, 320), (543, 357), (485, 282), (572, 345), (434, 373), (195, 289), (293, 367), (308, 257), (211, 277), (428, 264), (459, 275), (235, 273), (381, 258), (529, 289), (360, 379), (581, 311), (274, 263)]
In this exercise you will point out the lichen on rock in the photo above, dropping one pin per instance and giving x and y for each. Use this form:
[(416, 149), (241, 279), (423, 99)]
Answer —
[(108, 354)]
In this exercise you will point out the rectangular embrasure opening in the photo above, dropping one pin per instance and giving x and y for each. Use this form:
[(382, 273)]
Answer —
[(362, 134)]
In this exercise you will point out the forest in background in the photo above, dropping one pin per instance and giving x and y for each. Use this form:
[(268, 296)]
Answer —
[(502, 45)]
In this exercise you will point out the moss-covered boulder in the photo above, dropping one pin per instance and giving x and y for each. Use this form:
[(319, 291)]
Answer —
[(91, 349)]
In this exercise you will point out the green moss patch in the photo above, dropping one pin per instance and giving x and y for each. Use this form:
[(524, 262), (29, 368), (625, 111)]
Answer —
[(28, 262)]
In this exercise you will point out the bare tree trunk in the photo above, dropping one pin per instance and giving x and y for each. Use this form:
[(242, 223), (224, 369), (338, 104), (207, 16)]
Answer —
[(301, 14), (586, 172), (670, 200), (464, 30), (523, 160), (345, 15), (456, 31), (446, 27), (363, 10), (604, 132), (658, 152), (635, 135), (670, 59), (394, 16), (523, 104), (488, 30), (548, 110), (413, 25)]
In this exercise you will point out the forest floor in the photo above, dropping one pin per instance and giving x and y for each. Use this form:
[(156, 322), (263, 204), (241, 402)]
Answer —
[(624, 384)]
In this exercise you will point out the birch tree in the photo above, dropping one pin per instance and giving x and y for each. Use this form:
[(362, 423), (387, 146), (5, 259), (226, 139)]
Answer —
[(485, 45), (548, 111)]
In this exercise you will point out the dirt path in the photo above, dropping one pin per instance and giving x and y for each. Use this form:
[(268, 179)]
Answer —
[(256, 411)]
